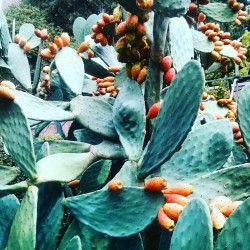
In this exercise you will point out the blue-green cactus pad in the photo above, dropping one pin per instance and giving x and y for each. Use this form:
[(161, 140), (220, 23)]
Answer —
[(201, 42), (175, 119), (5, 38), (34, 41), (7, 174), (194, 228), (91, 20), (87, 136), (111, 213), (78, 29), (16, 134), (26, 30), (129, 116), (229, 51), (74, 244), (14, 188), (8, 207)]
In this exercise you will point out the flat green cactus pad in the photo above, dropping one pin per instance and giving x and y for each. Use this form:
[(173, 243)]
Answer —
[(26, 30), (7, 174), (201, 42), (74, 244), (117, 214), (229, 51), (14, 188), (78, 29)]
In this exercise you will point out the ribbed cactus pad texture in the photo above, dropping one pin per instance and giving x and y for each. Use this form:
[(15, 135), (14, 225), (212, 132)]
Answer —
[(94, 113), (7, 174), (71, 69), (90, 239), (63, 167), (194, 228), (95, 176), (198, 157), (171, 8), (133, 242), (74, 244), (181, 42), (78, 29), (37, 109), (237, 226), (19, 68), (16, 134), (232, 182), (23, 229), (8, 207), (175, 119), (244, 114), (129, 116), (229, 51), (117, 214), (14, 188), (201, 42), (26, 30), (49, 215), (219, 12)]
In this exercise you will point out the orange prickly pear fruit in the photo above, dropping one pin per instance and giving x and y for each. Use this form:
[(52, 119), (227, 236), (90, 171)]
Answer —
[(202, 106), (110, 89), (201, 17), (114, 94), (115, 185), (237, 60), (135, 70), (17, 38), (90, 53), (105, 84), (216, 55), (141, 29), (154, 111), (220, 201), (180, 188), (169, 76), (99, 80), (6, 93), (132, 22), (176, 198), (58, 41), (121, 28), (165, 221), (204, 96), (8, 84), (109, 79), (22, 42), (74, 183), (173, 210), (96, 28), (104, 41), (65, 38), (230, 208), (211, 97), (114, 69), (99, 37), (240, 141), (144, 4), (46, 54), (44, 34), (38, 33), (155, 184), (238, 135), (106, 18), (235, 127), (144, 18), (53, 48), (121, 44), (166, 63), (83, 47), (142, 75), (218, 219), (27, 47), (101, 23)]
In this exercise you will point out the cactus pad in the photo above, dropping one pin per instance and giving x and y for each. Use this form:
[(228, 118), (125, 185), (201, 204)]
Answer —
[(229, 51), (74, 244), (7, 174), (78, 29), (87, 136), (194, 228), (12, 189), (175, 119), (5, 38), (113, 214), (129, 118), (26, 30), (133, 242), (201, 42)]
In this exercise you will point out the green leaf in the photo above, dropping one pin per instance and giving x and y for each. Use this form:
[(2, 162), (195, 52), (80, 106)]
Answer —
[(201, 42), (19, 142), (7, 174), (25, 218), (119, 214)]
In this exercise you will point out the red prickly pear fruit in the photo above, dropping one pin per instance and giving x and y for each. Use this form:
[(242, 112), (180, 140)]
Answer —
[(135, 70), (106, 18), (230, 208), (169, 76), (144, 4), (204, 96), (238, 135), (201, 17), (17, 38), (22, 42), (109, 79), (104, 41), (46, 54), (99, 37), (202, 106), (38, 33), (114, 69), (240, 141), (218, 219), (180, 188), (132, 22), (165, 221), (141, 29), (192, 7), (101, 23), (155, 184), (53, 48), (6, 93), (58, 41), (44, 34), (154, 111), (90, 53), (144, 18), (176, 198), (142, 75), (8, 84), (121, 44), (173, 210), (235, 127), (83, 47), (96, 29), (27, 47), (115, 186), (121, 29), (65, 38), (220, 201), (166, 63), (74, 183)]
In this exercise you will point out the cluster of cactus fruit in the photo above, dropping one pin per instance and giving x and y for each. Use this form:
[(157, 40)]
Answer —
[(153, 169)]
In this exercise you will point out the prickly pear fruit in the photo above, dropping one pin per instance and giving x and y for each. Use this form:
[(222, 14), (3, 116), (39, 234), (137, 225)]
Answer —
[(46, 69), (235, 127), (166, 63), (114, 69), (230, 208), (142, 75), (240, 141), (106, 18), (143, 17), (22, 42), (154, 111), (141, 29), (74, 183), (38, 33), (27, 47), (53, 48), (218, 219), (165, 221), (8, 84), (176, 198), (121, 28), (46, 54), (169, 76), (238, 135), (109, 79), (180, 188), (132, 22), (135, 70), (83, 47), (44, 34), (90, 53), (155, 184), (17, 38), (65, 38), (58, 41), (220, 201), (144, 4), (173, 210), (115, 185), (101, 23), (6, 93), (121, 44), (201, 17)]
